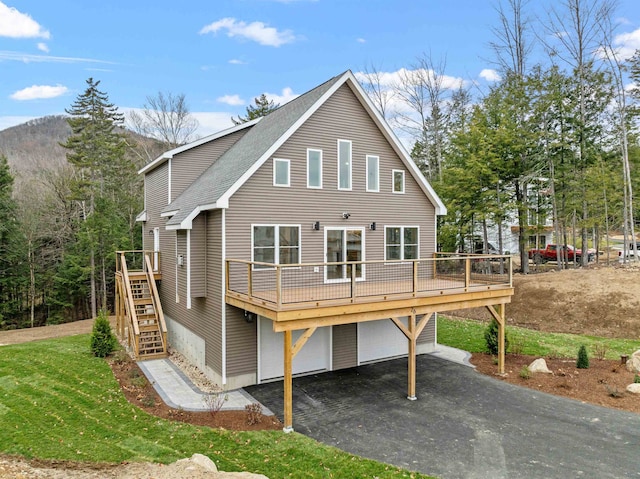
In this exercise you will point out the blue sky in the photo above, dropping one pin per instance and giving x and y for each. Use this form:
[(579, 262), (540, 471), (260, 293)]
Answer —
[(223, 53)]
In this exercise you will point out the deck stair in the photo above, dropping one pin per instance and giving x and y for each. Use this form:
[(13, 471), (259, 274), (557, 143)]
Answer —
[(140, 319)]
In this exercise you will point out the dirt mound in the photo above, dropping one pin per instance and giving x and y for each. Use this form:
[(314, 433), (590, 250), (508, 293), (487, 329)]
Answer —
[(599, 301)]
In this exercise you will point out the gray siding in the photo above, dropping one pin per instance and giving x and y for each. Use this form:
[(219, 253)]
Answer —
[(190, 164), (345, 339), (258, 201), (428, 334)]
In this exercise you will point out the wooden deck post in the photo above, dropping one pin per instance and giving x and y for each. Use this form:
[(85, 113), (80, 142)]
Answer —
[(501, 324), (411, 396), (288, 383)]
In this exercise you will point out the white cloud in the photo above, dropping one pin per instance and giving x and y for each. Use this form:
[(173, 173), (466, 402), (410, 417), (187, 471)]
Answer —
[(361, 40), (627, 43), (233, 100), (38, 92), (29, 58), (388, 79), (236, 61), (15, 24), (256, 31), (43, 47), (286, 96), (490, 75), (212, 122)]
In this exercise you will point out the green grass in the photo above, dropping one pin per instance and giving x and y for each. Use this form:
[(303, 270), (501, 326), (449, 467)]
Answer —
[(59, 402), (468, 335)]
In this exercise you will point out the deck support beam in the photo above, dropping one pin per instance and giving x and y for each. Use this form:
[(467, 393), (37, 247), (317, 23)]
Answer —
[(412, 332), (290, 351), (499, 316)]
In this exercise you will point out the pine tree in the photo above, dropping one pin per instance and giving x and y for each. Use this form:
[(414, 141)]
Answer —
[(97, 152), (263, 107), (12, 275)]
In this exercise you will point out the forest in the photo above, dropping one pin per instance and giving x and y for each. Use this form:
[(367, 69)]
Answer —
[(555, 136)]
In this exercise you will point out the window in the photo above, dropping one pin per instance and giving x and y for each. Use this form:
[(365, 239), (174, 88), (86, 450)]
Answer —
[(373, 173), (276, 244), (281, 172), (344, 165), (398, 181), (401, 242), (314, 168)]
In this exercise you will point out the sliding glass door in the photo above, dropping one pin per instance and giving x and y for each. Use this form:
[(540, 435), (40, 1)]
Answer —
[(343, 244)]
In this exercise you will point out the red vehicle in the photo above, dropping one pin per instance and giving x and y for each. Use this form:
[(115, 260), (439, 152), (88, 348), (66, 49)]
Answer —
[(550, 253)]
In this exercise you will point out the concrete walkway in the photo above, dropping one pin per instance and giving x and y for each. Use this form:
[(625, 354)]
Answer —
[(177, 390)]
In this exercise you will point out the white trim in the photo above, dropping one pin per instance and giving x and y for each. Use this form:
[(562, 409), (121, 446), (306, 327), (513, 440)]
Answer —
[(142, 217), (288, 163), (169, 183), (169, 154), (402, 228), (258, 349), (344, 244), (223, 302), (176, 262), (309, 150), (167, 214), (393, 182), (188, 269), (350, 187), (377, 189), (156, 247)]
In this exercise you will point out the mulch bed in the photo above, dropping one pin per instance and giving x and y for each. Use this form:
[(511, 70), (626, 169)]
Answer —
[(603, 384), (140, 392)]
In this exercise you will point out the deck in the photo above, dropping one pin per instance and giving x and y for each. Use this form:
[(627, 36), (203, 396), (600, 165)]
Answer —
[(295, 296)]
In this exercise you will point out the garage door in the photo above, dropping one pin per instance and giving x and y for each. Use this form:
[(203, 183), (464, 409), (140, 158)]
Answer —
[(315, 355), (380, 340)]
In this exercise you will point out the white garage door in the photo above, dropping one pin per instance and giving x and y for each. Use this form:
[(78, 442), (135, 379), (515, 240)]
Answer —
[(315, 355), (381, 339)]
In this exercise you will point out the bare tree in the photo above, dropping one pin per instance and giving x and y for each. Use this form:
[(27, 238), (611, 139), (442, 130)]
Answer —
[(514, 41), (621, 109), (377, 86), (575, 26), (166, 118), (426, 93)]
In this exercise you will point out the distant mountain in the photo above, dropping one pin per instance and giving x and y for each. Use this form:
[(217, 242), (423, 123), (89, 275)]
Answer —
[(35, 145)]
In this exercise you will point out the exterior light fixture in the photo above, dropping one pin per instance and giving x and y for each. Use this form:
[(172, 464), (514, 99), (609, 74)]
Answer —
[(315, 226), (346, 215), (372, 226)]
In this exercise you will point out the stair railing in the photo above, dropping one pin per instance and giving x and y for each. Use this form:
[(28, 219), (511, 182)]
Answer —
[(155, 298), (133, 319)]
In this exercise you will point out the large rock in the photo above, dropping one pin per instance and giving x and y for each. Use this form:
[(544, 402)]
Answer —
[(633, 363), (539, 366), (633, 388), (200, 460)]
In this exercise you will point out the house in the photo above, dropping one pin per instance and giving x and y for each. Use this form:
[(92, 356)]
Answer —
[(286, 244)]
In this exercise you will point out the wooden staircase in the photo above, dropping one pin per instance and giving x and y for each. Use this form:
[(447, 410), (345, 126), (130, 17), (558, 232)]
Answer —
[(139, 314)]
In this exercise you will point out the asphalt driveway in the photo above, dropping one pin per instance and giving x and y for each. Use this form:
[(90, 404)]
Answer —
[(463, 425)]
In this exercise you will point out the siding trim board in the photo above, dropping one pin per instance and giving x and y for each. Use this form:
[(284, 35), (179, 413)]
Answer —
[(188, 269), (223, 313)]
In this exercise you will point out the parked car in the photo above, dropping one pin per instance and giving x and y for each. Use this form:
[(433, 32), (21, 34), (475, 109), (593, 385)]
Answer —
[(550, 253), (631, 253)]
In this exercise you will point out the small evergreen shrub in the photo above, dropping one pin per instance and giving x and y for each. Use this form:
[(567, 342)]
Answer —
[(583, 358), (525, 373), (636, 379), (103, 341), (491, 338)]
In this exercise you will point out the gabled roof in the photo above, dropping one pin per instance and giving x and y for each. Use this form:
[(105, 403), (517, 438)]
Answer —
[(224, 177)]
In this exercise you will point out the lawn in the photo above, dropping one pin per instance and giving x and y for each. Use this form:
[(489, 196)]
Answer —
[(468, 334), (59, 402)]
